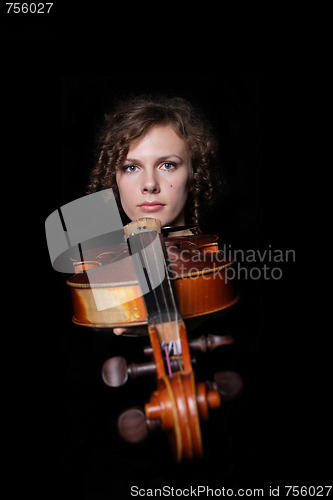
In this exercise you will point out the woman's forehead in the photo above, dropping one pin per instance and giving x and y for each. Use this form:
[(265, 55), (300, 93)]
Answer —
[(161, 139)]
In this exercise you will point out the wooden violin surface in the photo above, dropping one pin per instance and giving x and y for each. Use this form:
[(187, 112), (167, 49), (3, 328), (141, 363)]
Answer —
[(106, 293)]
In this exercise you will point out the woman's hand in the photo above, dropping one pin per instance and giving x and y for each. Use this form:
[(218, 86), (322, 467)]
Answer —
[(137, 331), (134, 331)]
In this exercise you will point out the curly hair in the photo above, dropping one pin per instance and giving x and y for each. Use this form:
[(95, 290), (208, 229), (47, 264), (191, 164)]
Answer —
[(131, 120)]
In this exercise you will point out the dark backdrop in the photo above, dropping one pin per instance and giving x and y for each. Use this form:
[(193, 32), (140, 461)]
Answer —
[(264, 438), (89, 447)]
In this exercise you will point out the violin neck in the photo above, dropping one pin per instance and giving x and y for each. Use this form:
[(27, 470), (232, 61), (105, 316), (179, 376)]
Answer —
[(151, 265)]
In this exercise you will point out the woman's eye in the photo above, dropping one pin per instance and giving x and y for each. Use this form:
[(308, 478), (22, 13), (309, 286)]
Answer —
[(168, 165), (129, 168)]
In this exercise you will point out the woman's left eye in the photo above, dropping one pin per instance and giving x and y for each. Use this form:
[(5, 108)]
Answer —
[(129, 168), (168, 165)]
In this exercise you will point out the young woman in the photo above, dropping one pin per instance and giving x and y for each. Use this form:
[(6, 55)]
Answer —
[(158, 155)]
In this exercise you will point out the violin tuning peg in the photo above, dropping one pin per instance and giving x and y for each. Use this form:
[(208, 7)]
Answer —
[(229, 384), (210, 342), (132, 425), (115, 371), (214, 341)]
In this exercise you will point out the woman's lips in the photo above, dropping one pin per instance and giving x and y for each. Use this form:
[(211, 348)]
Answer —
[(151, 206)]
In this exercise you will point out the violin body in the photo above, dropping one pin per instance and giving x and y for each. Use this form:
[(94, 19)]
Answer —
[(196, 267), (161, 282)]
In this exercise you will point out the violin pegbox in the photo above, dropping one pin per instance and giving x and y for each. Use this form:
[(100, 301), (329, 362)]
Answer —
[(162, 411)]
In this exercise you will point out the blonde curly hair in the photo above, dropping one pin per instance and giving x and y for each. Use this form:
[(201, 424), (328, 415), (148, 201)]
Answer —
[(131, 120)]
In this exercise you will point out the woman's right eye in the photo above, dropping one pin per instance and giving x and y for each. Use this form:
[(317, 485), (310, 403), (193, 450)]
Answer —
[(129, 168)]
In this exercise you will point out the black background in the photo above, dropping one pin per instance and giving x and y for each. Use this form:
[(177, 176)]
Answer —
[(64, 417), (233, 445), (263, 438)]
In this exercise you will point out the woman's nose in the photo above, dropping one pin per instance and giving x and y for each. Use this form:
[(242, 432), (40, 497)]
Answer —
[(150, 184)]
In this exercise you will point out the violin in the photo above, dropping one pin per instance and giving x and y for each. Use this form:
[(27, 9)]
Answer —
[(162, 282)]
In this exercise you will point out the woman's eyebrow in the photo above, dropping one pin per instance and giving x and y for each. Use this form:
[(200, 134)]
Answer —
[(161, 158)]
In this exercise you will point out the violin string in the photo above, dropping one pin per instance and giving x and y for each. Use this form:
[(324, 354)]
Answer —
[(178, 349), (150, 275), (143, 250), (168, 360), (176, 340), (152, 237), (161, 280)]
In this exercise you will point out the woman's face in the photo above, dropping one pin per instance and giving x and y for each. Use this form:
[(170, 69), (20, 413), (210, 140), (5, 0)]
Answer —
[(155, 177)]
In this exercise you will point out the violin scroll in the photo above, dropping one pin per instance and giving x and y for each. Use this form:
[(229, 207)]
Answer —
[(165, 408), (133, 424)]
